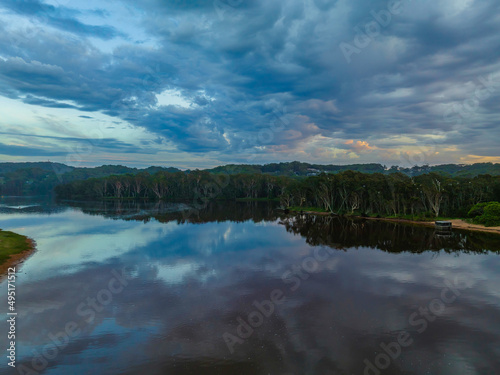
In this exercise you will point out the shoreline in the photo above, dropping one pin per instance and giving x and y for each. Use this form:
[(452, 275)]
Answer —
[(456, 223), (18, 258)]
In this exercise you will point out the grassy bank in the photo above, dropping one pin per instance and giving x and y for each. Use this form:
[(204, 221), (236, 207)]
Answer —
[(13, 249)]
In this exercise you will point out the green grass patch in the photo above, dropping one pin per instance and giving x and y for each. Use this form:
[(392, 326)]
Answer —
[(10, 244)]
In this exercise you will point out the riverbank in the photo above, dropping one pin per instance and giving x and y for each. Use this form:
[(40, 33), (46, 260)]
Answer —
[(456, 223), (14, 249)]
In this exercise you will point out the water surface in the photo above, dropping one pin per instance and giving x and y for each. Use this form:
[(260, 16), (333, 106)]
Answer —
[(158, 289)]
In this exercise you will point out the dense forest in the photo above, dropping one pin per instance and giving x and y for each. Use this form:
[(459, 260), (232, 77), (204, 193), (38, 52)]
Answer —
[(396, 194), (41, 178)]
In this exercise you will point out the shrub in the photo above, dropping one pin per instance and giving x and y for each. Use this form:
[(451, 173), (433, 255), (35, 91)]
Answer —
[(478, 209), (487, 214)]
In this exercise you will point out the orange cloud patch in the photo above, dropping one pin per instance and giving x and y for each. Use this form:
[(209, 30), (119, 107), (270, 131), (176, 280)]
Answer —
[(480, 159), (359, 146), (362, 146)]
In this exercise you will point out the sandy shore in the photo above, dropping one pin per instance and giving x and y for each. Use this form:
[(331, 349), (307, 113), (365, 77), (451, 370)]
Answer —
[(460, 224), (17, 259)]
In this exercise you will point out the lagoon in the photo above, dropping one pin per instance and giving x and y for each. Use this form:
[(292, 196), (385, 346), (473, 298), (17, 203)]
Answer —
[(127, 287)]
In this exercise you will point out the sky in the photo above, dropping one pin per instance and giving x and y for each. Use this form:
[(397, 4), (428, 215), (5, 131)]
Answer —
[(201, 83)]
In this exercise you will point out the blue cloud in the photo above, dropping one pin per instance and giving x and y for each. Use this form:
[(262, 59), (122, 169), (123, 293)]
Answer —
[(13, 150), (246, 65), (59, 17)]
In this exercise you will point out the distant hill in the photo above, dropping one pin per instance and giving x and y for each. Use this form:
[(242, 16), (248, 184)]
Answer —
[(305, 169), (43, 165), (108, 170), (41, 178), (296, 168)]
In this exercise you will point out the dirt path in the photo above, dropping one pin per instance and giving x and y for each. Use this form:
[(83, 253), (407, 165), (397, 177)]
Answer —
[(456, 224), (460, 224)]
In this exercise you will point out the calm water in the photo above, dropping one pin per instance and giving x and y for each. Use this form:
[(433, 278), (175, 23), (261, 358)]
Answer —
[(130, 288)]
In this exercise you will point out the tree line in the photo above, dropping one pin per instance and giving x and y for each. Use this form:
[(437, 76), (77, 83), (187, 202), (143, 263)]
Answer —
[(397, 194), (40, 178)]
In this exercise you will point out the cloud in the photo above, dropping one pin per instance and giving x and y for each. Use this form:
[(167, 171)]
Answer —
[(30, 99), (16, 150), (241, 69), (359, 146), (59, 17), (90, 145)]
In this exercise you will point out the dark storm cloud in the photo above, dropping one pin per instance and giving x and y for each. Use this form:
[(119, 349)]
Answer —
[(59, 17), (14, 150), (241, 63), (106, 144)]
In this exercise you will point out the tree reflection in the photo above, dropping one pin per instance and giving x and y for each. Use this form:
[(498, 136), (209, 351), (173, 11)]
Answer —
[(333, 231)]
